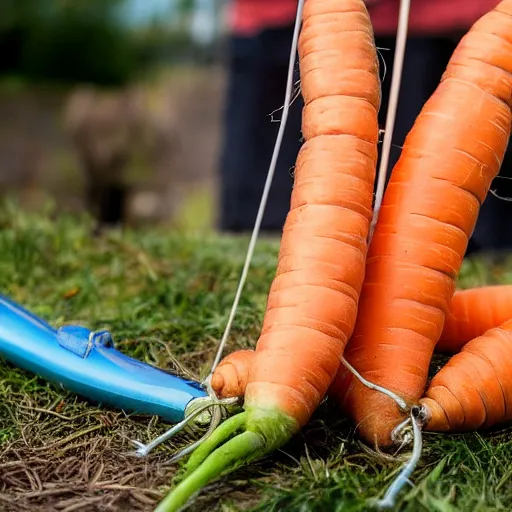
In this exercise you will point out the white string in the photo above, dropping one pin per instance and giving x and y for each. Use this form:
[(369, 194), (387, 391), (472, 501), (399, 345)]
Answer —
[(399, 435), (215, 420), (192, 446), (400, 401), (396, 78), (143, 450), (266, 190), (417, 417), (389, 499)]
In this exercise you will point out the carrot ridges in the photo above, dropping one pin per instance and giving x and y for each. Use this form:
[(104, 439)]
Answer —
[(473, 389), (312, 303), (429, 211)]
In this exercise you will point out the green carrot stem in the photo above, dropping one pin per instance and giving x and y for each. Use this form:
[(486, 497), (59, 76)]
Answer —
[(265, 429), (221, 434), (228, 457)]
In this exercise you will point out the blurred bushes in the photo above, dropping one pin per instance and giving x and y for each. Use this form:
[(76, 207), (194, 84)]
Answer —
[(76, 48), (70, 41)]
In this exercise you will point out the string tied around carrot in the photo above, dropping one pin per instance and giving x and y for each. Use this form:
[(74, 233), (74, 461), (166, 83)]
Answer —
[(418, 417), (402, 404), (143, 450)]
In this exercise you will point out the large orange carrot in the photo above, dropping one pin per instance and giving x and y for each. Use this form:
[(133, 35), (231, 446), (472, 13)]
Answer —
[(474, 389), (312, 303), (473, 312), (448, 162)]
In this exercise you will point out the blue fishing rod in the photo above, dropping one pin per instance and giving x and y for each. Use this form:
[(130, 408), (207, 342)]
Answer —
[(87, 363)]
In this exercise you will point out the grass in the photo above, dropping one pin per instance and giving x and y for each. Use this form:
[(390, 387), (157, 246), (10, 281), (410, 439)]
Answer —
[(165, 297)]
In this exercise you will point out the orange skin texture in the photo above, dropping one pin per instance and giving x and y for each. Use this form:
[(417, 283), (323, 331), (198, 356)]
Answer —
[(231, 375), (474, 389), (472, 312), (312, 303), (449, 159)]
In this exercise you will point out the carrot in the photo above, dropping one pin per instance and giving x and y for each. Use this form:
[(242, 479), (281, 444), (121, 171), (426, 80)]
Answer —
[(312, 303), (472, 313), (474, 389), (231, 375), (448, 162)]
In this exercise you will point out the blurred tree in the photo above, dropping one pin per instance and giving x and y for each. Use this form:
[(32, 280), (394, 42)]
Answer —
[(185, 6), (90, 41), (66, 41), (80, 45), (16, 20)]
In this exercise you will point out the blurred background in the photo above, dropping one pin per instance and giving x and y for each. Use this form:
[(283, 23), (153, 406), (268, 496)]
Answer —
[(131, 89), (166, 111)]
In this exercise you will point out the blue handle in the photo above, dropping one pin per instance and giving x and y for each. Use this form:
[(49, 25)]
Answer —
[(87, 363)]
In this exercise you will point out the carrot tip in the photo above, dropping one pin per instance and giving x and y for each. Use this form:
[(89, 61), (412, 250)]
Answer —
[(435, 416), (218, 383)]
